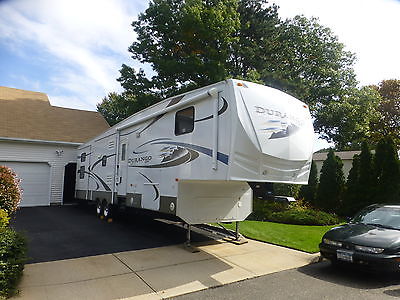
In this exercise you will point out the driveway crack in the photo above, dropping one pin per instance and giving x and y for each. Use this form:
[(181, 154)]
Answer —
[(133, 271)]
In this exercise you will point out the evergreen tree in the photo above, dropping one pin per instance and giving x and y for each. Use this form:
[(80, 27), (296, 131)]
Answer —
[(331, 184), (365, 182), (308, 192), (379, 158), (387, 172), (351, 199)]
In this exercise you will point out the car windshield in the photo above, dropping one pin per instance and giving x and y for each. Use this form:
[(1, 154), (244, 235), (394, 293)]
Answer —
[(385, 216)]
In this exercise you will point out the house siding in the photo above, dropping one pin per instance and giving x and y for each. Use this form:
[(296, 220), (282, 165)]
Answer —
[(36, 152)]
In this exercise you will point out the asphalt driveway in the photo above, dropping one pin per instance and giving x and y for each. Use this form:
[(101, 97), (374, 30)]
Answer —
[(315, 281), (62, 232)]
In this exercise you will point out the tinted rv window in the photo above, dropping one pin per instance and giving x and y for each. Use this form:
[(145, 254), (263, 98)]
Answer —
[(184, 121), (83, 157), (123, 152), (82, 172), (104, 161)]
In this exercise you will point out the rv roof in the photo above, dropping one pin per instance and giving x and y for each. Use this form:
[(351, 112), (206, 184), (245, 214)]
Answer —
[(171, 99)]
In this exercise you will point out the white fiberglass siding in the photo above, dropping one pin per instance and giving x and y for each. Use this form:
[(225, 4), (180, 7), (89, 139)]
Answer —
[(17, 153)]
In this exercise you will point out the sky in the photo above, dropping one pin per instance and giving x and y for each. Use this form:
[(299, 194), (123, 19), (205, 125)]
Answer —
[(72, 50)]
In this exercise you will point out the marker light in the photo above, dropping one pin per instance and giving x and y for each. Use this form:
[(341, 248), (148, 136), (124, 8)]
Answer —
[(333, 243)]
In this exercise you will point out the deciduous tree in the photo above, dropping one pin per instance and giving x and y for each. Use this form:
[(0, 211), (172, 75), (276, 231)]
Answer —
[(193, 43), (347, 121), (388, 125)]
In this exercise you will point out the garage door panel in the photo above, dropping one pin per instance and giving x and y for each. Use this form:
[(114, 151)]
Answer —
[(35, 182)]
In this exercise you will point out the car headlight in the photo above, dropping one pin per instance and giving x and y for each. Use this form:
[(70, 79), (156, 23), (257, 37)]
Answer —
[(369, 249), (333, 243)]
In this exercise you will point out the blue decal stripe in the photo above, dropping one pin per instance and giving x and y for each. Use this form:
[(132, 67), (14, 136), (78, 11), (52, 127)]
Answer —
[(271, 128), (220, 156)]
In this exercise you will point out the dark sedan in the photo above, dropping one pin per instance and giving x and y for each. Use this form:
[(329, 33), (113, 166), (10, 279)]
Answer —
[(371, 239)]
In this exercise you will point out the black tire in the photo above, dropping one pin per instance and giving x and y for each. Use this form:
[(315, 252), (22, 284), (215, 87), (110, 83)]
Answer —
[(108, 211), (99, 208)]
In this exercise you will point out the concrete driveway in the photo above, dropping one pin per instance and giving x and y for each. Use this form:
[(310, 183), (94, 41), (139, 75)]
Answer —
[(156, 273)]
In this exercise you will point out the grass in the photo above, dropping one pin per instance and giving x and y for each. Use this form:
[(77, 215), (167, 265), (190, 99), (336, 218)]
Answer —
[(301, 237)]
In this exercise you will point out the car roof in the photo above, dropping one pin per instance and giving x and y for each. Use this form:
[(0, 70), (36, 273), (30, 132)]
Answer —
[(386, 205)]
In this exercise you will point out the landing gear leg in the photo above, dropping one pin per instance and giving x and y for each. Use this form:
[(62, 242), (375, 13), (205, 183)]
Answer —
[(189, 227), (237, 234), (187, 244)]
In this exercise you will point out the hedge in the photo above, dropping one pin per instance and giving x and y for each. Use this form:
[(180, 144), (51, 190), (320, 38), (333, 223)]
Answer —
[(295, 213), (12, 259)]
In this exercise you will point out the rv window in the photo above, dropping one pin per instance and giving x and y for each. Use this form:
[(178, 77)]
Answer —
[(83, 157), (82, 172), (104, 161), (123, 152), (184, 121)]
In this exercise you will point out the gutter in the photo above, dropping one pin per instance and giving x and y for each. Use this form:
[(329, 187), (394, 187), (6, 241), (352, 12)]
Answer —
[(8, 139)]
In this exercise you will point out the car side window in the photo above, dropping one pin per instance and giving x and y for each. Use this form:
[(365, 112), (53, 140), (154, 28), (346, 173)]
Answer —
[(184, 121)]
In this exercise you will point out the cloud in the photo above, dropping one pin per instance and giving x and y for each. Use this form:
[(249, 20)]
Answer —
[(367, 27), (84, 43)]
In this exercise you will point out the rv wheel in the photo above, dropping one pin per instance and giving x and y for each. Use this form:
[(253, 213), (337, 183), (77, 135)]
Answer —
[(99, 208), (107, 211)]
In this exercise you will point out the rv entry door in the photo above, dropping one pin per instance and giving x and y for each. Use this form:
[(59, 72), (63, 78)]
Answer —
[(122, 179)]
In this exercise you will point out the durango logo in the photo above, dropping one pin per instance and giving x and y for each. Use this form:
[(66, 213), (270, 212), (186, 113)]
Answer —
[(142, 159), (271, 112)]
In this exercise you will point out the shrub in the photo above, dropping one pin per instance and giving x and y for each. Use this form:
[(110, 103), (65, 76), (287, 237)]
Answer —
[(304, 217), (262, 209), (4, 219), (10, 191), (12, 260), (299, 213)]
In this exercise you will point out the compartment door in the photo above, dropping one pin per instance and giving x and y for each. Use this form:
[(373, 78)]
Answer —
[(122, 173)]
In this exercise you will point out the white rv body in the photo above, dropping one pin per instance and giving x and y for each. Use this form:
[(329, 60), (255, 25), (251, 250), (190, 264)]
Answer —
[(192, 155)]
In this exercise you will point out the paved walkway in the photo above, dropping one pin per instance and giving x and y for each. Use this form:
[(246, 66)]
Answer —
[(156, 273)]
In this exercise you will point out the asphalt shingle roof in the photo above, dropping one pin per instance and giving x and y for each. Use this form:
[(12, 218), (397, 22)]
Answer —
[(29, 115)]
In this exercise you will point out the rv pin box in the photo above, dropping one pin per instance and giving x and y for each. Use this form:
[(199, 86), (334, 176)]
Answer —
[(191, 156)]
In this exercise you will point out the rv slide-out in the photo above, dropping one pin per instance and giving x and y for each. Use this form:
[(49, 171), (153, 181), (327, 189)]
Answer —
[(192, 155)]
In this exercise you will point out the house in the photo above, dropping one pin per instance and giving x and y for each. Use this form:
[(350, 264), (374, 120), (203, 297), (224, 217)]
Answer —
[(39, 142), (345, 156)]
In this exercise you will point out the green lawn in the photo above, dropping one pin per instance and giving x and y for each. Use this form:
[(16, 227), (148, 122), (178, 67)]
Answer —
[(301, 237)]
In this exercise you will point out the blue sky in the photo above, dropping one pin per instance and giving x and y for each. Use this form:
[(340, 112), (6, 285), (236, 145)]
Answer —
[(72, 50)]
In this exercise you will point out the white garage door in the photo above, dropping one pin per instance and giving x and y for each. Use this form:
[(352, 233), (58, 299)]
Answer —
[(35, 181)]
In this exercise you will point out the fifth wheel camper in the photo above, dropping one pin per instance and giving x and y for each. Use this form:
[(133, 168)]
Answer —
[(191, 156)]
